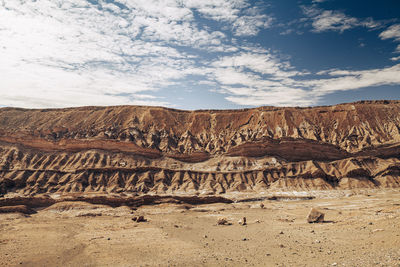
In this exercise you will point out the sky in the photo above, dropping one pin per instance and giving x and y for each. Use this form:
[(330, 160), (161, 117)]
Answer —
[(198, 54)]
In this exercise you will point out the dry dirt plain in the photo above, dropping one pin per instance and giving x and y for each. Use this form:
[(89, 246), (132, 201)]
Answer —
[(360, 230)]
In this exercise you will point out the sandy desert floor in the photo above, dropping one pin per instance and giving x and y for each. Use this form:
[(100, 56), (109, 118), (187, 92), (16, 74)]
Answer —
[(360, 230)]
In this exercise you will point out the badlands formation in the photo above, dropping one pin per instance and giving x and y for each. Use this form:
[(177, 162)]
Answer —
[(152, 150)]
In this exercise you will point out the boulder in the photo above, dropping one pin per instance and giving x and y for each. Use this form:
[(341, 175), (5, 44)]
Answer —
[(315, 216), (243, 221)]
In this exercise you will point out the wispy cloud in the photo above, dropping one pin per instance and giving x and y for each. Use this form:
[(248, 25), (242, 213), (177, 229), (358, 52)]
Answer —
[(240, 16), (263, 63), (333, 20), (344, 80), (393, 32), (259, 78), (395, 58)]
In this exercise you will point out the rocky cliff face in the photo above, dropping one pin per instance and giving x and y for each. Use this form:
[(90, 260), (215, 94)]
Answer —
[(152, 149)]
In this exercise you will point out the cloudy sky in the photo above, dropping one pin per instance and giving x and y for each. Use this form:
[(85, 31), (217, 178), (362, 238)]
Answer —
[(198, 54)]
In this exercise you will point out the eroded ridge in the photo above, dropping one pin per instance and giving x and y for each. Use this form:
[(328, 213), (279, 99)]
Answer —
[(165, 151)]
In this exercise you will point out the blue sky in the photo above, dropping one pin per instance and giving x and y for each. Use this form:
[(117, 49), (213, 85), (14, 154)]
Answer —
[(192, 54)]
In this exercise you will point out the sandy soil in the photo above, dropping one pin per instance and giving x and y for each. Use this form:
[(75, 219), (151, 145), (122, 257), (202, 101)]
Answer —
[(360, 230)]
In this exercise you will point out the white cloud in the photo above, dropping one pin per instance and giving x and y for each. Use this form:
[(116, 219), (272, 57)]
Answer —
[(395, 58), (332, 20), (264, 63), (393, 32), (251, 78), (241, 17), (350, 80), (335, 21), (219, 10), (251, 23), (260, 78)]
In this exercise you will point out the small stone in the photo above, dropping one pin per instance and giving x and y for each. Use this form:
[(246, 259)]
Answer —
[(334, 264), (222, 221), (262, 205), (281, 232), (245, 239), (139, 219), (109, 238), (370, 223), (315, 216), (242, 221)]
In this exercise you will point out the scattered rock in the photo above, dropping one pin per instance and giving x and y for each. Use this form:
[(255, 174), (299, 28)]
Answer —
[(243, 221), (139, 219), (223, 221), (315, 216), (262, 205), (281, 232), (286, 220), (370, 223), (257, 221), (245, 239), (377, 230)]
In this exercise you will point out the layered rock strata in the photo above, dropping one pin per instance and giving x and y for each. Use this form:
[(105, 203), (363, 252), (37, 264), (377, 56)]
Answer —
[(135, 149)]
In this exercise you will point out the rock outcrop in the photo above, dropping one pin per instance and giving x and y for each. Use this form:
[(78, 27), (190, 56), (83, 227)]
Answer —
[(135, 149)]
